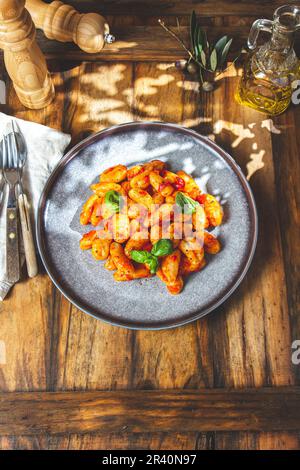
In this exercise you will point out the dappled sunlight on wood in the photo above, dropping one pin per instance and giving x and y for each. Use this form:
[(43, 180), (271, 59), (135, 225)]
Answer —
[(2, 353), (256, 159), (108, 94), (149, 110), (112, 117), (269, 124), (102, 106), (112, 73), (148, 85), (119, 45), (188, 85), (237, 130), (103, 95), (231, 71), (255, 163), (166, 66), (116, 93), (195, 122)]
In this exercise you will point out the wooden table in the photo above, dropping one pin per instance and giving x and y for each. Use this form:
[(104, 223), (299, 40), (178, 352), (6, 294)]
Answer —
[(227, 381)]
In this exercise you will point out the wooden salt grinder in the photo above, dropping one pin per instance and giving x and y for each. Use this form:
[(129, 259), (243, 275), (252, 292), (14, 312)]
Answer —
[(23, 58), (62, 22)]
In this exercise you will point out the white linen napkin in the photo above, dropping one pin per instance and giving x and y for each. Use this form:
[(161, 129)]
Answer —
[(45, 148)]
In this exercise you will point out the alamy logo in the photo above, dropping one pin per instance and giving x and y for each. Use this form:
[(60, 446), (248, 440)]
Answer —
[(296, 353), (296, 93)]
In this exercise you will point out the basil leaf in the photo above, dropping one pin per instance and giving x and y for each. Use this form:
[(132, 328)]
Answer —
[(152, 262), (162, 248), (113, 201), (187, 204), (140, 256)]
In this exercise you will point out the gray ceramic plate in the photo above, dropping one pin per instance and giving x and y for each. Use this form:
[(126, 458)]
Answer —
[(144, 304)]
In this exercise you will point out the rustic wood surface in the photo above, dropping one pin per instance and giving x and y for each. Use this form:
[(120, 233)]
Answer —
[(36, 413), (47, 345)]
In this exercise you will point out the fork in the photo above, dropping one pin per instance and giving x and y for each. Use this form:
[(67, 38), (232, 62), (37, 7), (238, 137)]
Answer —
[(17, 146), (2, 188), (10, 173), (2, 183)]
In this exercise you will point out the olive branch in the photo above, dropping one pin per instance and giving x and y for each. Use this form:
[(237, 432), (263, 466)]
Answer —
[(210, 58)]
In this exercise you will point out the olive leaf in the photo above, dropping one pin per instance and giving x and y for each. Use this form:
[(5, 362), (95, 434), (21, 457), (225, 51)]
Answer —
[(225, 52), (193, 23), (220, 44), (206, 57), (203, 58), (213, 60), (198, 39), (198, 46), (205, 40)]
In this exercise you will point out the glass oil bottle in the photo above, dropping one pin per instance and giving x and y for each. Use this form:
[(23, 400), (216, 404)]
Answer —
[(269, 73)]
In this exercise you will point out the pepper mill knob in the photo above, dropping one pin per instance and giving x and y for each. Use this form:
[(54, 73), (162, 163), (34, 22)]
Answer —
[(23, 58), (92, 32), (109, 38), (62, 22)]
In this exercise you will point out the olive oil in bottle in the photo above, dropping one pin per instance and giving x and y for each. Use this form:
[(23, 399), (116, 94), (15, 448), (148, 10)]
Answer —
[(266, 84)]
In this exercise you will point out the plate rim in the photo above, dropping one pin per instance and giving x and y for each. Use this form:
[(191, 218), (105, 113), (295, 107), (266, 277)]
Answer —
[(134, 325)]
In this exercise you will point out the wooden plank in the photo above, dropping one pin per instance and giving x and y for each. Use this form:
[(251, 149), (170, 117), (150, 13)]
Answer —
[(90, 354), (257, 441), (140, 43), (179, 7), (104, 441), (58, 346), (156, 441), (286, 144), (279, 441), (146, 411), (181, 357), (246, 342), (251, 331), (29, 311), (27, 314)]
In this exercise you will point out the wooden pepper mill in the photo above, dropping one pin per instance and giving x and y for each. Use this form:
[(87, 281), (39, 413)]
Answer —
[(23, 58), (62, 22)]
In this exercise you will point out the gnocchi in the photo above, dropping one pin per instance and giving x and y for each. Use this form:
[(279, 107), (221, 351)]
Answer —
[(149, 220)]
